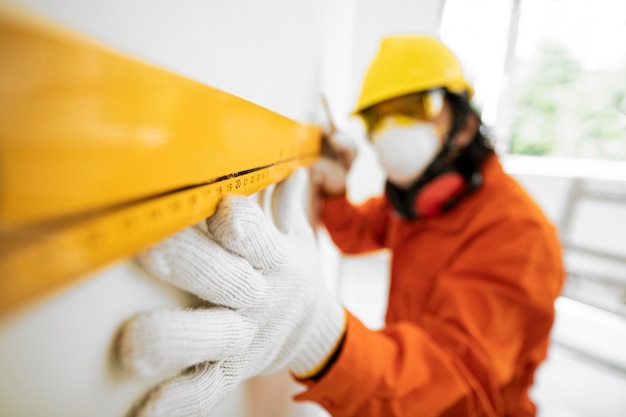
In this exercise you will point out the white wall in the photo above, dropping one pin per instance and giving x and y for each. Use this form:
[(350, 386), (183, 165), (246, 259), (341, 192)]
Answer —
[(265, 52)]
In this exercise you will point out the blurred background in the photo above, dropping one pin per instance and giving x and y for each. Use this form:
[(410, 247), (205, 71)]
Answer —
[(550, 79)]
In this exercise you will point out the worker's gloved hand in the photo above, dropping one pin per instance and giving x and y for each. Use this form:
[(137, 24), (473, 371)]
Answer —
[(267, 310), (331, 171)]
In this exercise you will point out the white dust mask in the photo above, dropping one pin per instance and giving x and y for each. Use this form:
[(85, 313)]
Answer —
[(405, 148)]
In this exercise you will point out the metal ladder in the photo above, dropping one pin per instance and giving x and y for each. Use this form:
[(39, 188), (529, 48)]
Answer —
[(590, 279)]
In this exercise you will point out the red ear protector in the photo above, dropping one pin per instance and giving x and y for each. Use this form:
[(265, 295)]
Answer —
[(434, 197)]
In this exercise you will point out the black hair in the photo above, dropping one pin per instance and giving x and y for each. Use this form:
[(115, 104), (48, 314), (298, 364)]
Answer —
[(469, 158)]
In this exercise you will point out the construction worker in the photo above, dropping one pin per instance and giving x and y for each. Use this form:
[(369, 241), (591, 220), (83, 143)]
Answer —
[(475, 270)]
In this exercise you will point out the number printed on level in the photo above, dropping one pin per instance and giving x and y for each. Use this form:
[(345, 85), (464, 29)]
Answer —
[(70, 251)]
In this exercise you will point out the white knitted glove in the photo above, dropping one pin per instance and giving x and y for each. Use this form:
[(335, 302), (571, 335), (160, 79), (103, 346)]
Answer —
[(268, 306)]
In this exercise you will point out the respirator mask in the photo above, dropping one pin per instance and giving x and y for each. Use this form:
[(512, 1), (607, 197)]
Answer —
[(405, 147)]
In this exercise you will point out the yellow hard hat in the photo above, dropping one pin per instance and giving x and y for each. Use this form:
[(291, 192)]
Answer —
[(406, 64)]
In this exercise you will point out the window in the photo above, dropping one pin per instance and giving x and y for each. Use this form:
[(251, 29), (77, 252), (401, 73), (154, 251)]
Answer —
[(550, 75)]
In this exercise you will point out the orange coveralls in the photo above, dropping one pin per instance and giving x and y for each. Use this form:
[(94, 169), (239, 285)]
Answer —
[(471, 305)]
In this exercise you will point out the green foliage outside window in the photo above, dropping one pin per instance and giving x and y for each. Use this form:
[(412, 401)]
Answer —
[(565, 110)]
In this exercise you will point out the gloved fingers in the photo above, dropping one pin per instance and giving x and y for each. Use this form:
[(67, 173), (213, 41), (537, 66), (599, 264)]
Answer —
[(194, 393), (340, 147), (329, 176), (241, 226), (164, 341), (288, 204), (192, 261)]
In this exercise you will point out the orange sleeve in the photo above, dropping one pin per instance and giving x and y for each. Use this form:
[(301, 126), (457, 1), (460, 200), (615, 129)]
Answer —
[(484, 331), (355, 229), (384, 373)]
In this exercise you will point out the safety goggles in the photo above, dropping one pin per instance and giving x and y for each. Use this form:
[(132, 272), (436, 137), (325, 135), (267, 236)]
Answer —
[(424, 106)]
